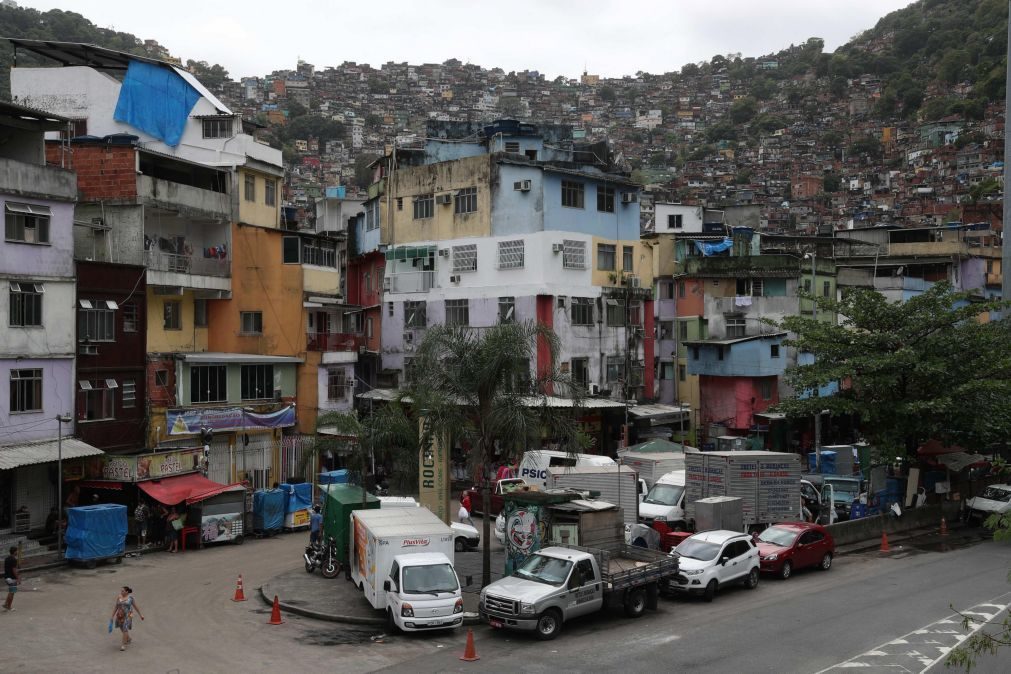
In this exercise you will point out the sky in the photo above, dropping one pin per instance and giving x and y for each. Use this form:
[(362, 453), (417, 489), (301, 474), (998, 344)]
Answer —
[(611, 38)]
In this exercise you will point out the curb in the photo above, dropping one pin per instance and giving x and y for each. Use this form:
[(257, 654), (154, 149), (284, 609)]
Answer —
[(337, 618)]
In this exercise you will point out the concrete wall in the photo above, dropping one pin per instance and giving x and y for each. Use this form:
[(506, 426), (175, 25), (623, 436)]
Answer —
[(870, 528), (257, 211), (57, 398), (56, 335), (22, 179), (188, 338), (691, 218), (437, 179)]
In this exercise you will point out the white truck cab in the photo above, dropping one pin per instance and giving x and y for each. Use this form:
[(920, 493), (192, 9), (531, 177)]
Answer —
[(533, 469), (423, 592), (665, 502)]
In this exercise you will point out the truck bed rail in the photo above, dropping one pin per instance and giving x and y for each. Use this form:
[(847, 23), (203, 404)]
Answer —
[(622, 566)]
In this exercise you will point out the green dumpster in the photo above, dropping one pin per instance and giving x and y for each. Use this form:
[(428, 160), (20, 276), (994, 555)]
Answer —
[(338, 502)]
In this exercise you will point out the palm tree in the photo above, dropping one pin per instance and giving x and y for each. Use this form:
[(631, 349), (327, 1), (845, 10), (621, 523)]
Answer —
[(475, 385)]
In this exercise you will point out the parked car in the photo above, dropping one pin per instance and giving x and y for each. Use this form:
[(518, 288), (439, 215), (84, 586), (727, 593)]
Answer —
[(465, 537), (499, 488), (788, 546), (710, 560), (995, 499)]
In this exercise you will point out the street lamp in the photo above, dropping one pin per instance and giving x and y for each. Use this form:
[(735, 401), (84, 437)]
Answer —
[(61, 419)]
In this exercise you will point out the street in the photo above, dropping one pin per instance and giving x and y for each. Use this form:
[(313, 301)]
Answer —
[(868, 612)]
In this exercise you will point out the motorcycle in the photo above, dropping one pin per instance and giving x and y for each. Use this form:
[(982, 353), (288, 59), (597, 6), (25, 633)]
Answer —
[(323, 556)]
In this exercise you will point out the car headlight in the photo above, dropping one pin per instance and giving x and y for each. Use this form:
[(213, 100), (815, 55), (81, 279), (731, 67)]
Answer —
[(528, 609), (407, 611), (770, 558), (458, 607), (694, 572)]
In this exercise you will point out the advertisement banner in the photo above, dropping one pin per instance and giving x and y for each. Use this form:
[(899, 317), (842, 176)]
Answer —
[(190, 421), (434, 474), (360, 545), (143, 466), (221, 528)]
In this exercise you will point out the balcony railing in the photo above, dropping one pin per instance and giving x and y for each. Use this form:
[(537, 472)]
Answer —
[(410, 282), (333, 341), (187, 264)]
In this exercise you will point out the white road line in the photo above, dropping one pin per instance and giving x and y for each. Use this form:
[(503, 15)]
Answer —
[(937, 637)]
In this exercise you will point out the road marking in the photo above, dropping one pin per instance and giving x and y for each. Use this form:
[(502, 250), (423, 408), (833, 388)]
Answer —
[(915, 652)]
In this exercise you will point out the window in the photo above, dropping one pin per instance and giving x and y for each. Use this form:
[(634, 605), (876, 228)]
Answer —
[(735, 328), (826, 288), (573, 254), (627, 258), (695, 353), (572, 194), (681, 289), (97, 399), (257, 382), (512, 146), (457, 312), (96, 324), (774, 350), (666, 330), (635, 313), (250, 187), (666, 371), (290, 250), (218, 128), (615, 311), (466, 200), (337, 383), (251, 322), (719, 353), (368, 327), (665, 290), (615, 369), (424, 206), (605, 199), (26, 223), (465, 258), (26, 390), (208, 384), (172, 315), (605, 256), (506, 310), (580, 372), (765, 389), (510, 254), (415, 314), (675, 221), (161, 378), (200, 313), (318, 251), (400, 204), (682, 330), (26, 304), (129, 312), (682, 373), (389, 308), (807, 285), (270, 192), (129, 390), (582, 311)]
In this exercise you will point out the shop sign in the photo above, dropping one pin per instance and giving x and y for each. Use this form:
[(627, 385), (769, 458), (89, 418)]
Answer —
[(144, 466)]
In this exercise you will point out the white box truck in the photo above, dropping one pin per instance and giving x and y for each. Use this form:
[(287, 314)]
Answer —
[(619, 485), (402, 560), (533, 468), (768, 483), (665, 502), (651, 466)]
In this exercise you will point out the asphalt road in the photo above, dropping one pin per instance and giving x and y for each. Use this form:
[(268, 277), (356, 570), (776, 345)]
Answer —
[(865, 611)]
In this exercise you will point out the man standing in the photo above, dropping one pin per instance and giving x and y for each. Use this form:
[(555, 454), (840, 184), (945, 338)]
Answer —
[(315, 525), (141, 514), (11, 576)]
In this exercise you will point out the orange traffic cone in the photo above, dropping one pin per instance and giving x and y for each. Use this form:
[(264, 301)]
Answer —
[(275, 613), (469, 653), (239, 594), (884, 543), (944, 527)]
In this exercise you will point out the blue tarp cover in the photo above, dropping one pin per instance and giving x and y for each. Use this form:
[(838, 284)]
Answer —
[(268, 509), (334, 477), (708, 249), (96, 531), (299, 496), (155, 100)]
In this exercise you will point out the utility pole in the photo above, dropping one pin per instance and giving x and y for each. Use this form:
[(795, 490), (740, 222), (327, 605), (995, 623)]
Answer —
[(1006, 244), (60, 420)]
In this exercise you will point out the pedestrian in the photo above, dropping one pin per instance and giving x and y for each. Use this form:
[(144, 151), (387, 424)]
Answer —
[(142, 514), (122, 614), (12, 576), (464, 514), (172, 526), (315, 525)]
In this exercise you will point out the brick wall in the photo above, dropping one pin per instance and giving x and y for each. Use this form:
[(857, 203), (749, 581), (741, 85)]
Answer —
[(161, 396), (103, 171)]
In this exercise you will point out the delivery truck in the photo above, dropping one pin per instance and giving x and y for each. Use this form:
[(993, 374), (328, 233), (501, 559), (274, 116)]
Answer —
[(665, 502), (768, 484), (402, 560), (619, 485), (651, 466)]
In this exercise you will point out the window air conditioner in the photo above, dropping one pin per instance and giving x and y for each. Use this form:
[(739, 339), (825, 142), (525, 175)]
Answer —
[(87, 350), (594, 389), (634, 282), (444, 199), (454, 279), (386, 283), (444, 252), (556, 248), (522, 185), (629, 197)]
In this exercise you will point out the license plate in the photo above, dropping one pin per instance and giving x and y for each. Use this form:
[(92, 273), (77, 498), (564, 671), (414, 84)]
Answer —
[(496, 623)]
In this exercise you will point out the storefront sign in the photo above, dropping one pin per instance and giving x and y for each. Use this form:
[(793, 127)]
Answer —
[(144, 466), (190, 421), (433, 473)]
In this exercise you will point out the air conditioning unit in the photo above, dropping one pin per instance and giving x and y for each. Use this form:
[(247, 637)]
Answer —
[(444, 199), (386, 283), (408, 338), (444, 252), (455, 278), (87, 350), (522, 185), (594, 389), (629, 197), (556, 248), (634, 282)]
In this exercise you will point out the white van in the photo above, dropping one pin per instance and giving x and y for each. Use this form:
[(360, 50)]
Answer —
[(534, 466), (665, 501)]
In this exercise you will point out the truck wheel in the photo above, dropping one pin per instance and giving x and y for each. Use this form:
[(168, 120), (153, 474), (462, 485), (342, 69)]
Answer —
[(460, 545), (391, 624), (751, 582), (635, 602), (549, 625), (787, 569), (710, 590)]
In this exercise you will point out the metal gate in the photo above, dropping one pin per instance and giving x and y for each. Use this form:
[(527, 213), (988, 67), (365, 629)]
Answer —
[(295, 458), (253, 461)]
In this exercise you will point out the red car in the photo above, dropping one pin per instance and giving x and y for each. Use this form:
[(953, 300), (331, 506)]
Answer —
[(788, 546)]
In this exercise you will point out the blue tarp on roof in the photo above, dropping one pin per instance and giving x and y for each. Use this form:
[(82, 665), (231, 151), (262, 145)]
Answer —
[(708, 249), (155, 100)]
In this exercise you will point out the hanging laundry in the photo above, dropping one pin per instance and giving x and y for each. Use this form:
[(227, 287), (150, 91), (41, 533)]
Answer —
[(742, 301)]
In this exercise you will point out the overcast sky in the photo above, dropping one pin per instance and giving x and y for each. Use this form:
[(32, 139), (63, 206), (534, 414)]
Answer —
[(555, 37)]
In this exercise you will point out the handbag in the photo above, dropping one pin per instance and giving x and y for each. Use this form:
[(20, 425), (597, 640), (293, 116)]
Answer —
[(177, 524)]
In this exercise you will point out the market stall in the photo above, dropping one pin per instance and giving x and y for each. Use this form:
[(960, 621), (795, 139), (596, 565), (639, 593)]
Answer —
[(214, 511), (296, 510), (95, 533)]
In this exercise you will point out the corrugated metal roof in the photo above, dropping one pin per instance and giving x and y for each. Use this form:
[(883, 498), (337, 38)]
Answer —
[(218, 357), (658, 410), (43, 451), (530, 401)]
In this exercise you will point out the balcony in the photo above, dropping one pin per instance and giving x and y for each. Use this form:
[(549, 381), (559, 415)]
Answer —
[(187, 271), (36, 180), (755, 266), (410, 282), (333, 341), (186, 200)]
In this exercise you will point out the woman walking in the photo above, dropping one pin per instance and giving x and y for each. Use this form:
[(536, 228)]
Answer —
[(122, 614)]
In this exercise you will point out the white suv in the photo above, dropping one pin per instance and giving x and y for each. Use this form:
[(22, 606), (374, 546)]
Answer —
[(709, 560)]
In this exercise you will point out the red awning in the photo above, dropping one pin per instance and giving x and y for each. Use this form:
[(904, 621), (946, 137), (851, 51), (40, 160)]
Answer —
[(190, 488), (98, 484), (935, 448)]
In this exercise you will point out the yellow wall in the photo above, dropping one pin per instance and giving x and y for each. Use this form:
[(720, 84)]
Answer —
[(187, 338), (642, 262), (321, 280), (307, 391), (441, 178), (257, 212)]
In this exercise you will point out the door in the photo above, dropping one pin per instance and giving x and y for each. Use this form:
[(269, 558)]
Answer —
[(393, 595), (809, 547), (736, 565), (586, 593)]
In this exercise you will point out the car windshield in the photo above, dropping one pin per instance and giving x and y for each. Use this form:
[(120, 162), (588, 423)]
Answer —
[(997, 494), (703, 551), (664, 494), (779, 536), (430, 579), (544, 569), (844, 489)]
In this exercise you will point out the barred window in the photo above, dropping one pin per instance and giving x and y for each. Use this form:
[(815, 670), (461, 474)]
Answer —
[(457, 312), (605, 256), (605, 199), (573, 254), (129, 393), (257, 382), (466, 200), (129, 317), (510, 254), (465, 258), (26, 304), (582, 311), (615, 369), (415, 314), (572, 194), (26, 390), (337, 383), (96, 324), (208, 384), (506, 309), (424, 206)]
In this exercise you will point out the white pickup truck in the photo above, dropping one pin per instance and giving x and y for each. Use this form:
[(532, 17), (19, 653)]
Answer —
[(556, 584)]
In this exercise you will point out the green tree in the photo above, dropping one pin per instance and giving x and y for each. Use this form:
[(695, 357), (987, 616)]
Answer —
[(476, 386), (743, 110), (869, 145), (983, 188), (213, 77), (607, 94), (925, 368), (296, 109), (831, 182)]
